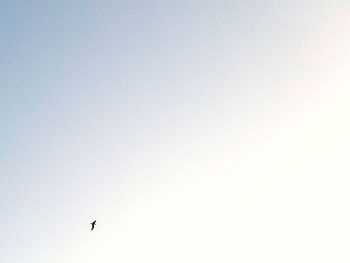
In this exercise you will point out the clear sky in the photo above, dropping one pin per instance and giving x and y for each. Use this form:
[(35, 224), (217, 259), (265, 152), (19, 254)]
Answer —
[(192, 131)]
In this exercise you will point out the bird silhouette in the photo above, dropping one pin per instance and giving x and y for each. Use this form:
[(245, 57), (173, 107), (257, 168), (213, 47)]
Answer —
[(93, 225)]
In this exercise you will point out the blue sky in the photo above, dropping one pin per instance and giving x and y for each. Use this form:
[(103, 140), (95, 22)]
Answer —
[(190, 130)]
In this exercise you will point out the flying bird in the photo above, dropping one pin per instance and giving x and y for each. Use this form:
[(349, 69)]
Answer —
[(93, 225)]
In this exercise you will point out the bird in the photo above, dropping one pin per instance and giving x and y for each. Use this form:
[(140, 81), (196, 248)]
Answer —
[(93, 225)]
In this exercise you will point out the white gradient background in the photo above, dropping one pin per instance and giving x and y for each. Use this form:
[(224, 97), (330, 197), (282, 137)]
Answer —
[(192, 131)]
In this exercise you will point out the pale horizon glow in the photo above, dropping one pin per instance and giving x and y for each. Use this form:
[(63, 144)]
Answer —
[(192, 131)]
